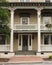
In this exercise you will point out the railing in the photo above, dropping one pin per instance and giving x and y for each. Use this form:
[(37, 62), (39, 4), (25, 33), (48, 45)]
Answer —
[(25, 27), (4, 47), (46, 47), (43, 27)]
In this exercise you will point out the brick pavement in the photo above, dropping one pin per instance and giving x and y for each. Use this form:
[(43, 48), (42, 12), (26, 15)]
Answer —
[(25, 59)]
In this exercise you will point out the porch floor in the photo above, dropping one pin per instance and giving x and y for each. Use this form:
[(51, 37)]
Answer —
[(25, 59)]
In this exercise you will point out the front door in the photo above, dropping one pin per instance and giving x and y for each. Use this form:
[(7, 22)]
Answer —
[(24, 42)]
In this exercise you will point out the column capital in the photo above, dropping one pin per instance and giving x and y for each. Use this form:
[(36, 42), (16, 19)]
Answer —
[(12, 11), (39, 13)]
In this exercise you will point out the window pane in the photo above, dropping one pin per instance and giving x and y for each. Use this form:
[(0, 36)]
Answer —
[(2, 39), (30, 40), (46, 39), (24, 20), (51, 39), (19, 40), (46, 20)]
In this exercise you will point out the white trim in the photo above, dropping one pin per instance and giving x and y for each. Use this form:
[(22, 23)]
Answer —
[(29, 47)]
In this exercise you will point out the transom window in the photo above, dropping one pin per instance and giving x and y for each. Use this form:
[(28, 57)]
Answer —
[(47, 39), (47, 20), (25, 0), (24, 20)]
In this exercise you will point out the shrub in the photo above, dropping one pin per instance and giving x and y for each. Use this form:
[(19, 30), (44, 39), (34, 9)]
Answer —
[(50, 57)]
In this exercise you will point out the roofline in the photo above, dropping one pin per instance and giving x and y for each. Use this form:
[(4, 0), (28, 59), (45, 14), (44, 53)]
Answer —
[(25, 3)]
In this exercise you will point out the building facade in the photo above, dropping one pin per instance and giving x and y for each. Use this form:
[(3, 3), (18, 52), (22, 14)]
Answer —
[(31, 26)]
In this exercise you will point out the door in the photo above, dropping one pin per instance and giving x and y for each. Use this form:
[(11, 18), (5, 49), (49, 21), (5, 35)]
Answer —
[(24, 42)]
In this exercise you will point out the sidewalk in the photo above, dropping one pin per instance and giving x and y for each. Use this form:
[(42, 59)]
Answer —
[(25, 59)]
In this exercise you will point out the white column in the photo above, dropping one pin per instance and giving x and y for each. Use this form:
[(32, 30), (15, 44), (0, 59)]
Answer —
[(39, 34), (11, 38)]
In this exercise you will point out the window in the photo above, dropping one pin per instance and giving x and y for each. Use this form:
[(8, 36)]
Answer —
[(25, 0), (47, 20), (46, 39), (47, 0), (2, 39), (24, 20)]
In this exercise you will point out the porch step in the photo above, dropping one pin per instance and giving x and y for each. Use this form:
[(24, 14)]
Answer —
[(25, 53)]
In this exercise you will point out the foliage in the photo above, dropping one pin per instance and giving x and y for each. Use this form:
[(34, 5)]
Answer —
[(50, 57), (2, 0), (48, 25), (4, 20)]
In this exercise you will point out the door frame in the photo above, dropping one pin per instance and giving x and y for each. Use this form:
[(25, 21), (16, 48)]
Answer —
[(20, 46)]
